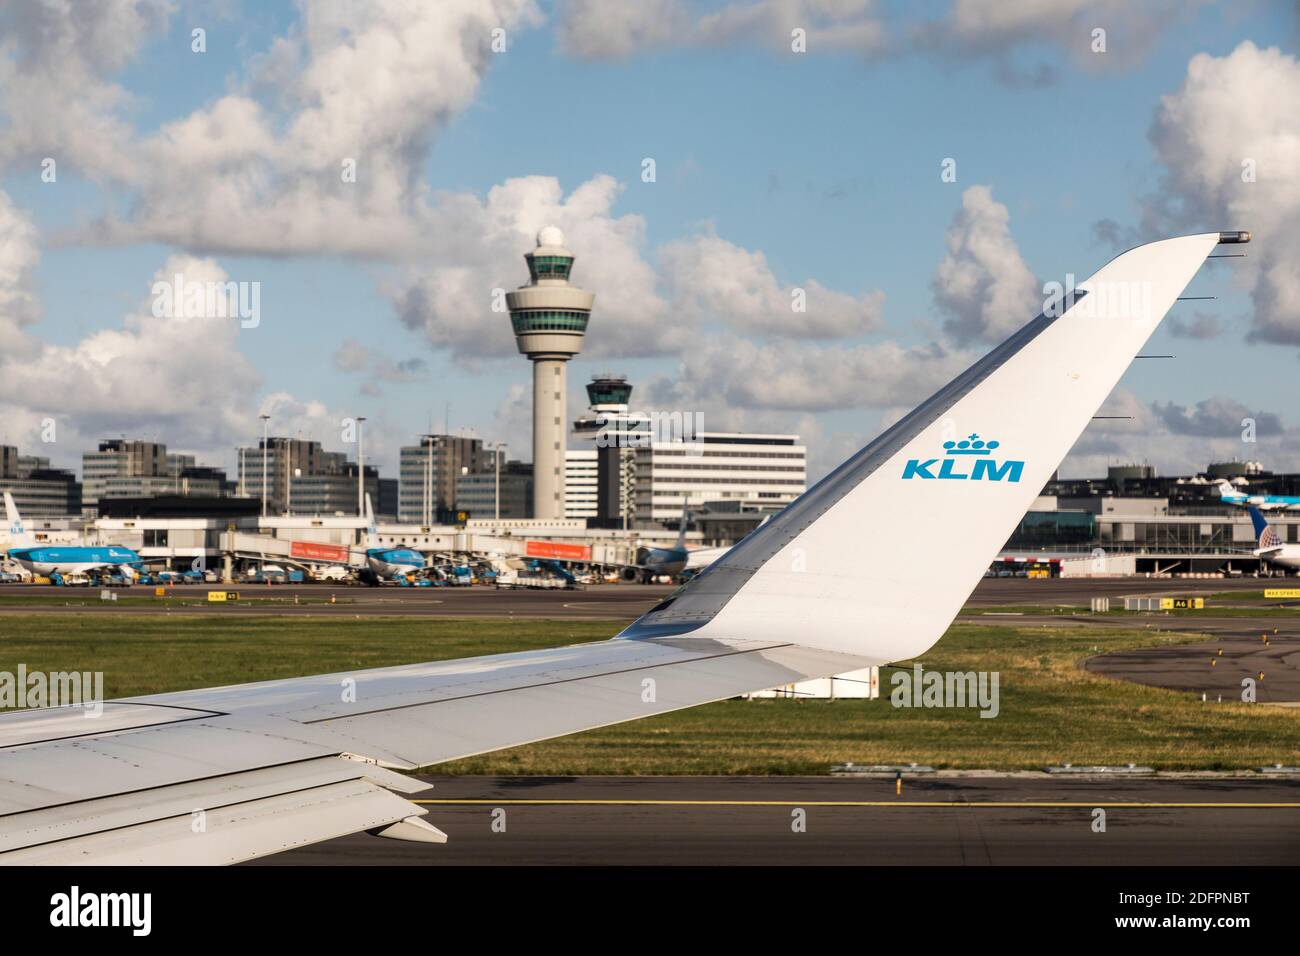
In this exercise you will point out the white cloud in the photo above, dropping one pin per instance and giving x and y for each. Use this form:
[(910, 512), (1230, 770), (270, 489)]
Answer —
[(367, 83), (983, 284), (1026, 41), (450, 299), (182, 380), (376, 368), (727, 372), (1243, 108), (597, 29), (640, 311), (710, 277), (57, 58), (19, 255), (1003, 31), (1180, 439)]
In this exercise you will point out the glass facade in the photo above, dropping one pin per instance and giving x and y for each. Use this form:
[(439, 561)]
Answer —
[(549, 267), (549, 320)]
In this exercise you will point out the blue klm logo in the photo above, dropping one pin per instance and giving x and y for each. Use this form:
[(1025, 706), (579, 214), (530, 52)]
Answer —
[(985, 468)]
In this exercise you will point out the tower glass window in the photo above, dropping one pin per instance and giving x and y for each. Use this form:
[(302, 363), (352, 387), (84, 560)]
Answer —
[(548, 320), (549, 267)]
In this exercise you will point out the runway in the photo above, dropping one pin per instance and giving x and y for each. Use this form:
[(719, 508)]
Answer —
[(606, 601), (970, 820), (1047, 591), (616, 602)]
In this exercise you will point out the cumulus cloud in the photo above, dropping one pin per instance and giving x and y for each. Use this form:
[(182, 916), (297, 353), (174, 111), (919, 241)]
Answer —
[(376, 368), (1230, 141), (1215, 417), (19, 255), (1013, 35), (178, 375), (451, 300), (712, 278), (648, 303), (1200, 326), (983, 285), (793, 376), (57, 60), (594, 29), (1179, 439), (330, 159), (1026, 42), (150, 373)]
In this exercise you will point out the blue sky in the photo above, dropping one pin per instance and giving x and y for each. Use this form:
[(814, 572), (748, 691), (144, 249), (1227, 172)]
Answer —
[(826, 163)]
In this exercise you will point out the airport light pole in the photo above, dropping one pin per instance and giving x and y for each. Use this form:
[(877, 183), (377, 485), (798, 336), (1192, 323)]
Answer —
[(500, 446), (428, 481), (361, 469), (265, 420)]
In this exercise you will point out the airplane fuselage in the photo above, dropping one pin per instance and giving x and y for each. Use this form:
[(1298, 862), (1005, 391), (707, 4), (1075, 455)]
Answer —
[(1287, 556), (61, 559), (394, 562), (669, 561)]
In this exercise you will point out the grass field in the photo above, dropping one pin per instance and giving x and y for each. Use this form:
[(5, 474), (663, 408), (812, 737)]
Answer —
[(1051, 710)]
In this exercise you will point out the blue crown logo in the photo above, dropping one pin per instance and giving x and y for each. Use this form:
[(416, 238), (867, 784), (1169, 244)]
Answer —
[(970, 446)]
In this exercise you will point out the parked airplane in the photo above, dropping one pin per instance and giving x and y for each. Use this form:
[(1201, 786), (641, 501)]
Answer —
[(1234, 496), (697, 559), (652, 562), (284, 763), (55, 561), (1271, 546), (398, 565)]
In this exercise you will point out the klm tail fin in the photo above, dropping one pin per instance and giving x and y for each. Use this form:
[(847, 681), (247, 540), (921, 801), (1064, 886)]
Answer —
[(1264, 533), (1227, 492), (681, 531), (18, 536), (372, 533)]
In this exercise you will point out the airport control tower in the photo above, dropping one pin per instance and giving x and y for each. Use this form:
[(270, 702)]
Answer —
[(550, 318)]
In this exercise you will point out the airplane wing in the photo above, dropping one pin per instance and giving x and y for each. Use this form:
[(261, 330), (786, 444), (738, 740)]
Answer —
[(232, 773)]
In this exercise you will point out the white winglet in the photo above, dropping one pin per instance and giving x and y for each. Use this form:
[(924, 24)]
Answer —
[(877, 558)]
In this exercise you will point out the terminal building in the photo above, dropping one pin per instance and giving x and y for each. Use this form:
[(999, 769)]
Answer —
[(1135, 522), (707, 467), (487, 495), (296, 474), (428, 473), (39, 490), (649, 466), (335, 493), (127, 468), (581, 481)]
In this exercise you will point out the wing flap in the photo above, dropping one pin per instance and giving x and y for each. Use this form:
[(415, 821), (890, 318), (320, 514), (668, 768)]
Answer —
[(220, 820)]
